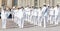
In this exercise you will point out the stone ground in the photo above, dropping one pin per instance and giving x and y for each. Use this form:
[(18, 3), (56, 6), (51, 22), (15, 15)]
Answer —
[(11, 26)]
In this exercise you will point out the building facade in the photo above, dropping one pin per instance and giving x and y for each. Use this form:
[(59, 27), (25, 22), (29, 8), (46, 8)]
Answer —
[(31, 3)]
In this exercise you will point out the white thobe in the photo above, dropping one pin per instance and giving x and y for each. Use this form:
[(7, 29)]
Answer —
[(44, 14), (35, 12), (56, 10), (20, 13), (39, 12), (3, 17), (51, 12), (56, 14), (39, 17), (15, 16), (43, 11), (27, 11), (20, 18)]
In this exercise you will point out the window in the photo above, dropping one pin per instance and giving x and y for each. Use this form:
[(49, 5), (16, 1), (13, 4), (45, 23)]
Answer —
[(4, 2), (35, 3), (15, 2)]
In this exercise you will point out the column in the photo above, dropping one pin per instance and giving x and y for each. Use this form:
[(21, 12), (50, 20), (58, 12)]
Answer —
[(24, 3), (19, 3), (0, 3), (55, 2), (50, 2), (29, 2), (32, 2), (38, 3)]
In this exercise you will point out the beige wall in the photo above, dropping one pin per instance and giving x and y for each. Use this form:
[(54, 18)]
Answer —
[(31, 2), (19, 3), (0, 3), (9, 3), (58, 2)]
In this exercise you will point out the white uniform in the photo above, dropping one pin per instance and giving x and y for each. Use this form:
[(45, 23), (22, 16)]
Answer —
[(20, 13), (20, 20), (31, 15), (27, 12), (44, 14), (15, 15), (35, 16), (3, 17), (56, 10), (39, 12), (39, 16), (12, 12), (51, 13), (56, 14), (43, 11), (35, 12)]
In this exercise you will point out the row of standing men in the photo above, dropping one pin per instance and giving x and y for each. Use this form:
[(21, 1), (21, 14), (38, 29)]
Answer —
[(32, 15)]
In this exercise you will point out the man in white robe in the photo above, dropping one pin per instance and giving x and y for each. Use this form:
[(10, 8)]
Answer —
[(31, 14), (39, 16), (57, 8), (20, 19), (27, 12), (35, 16), (51, 14), (44, 15), (3, 17), (15, 15), (12, 12)]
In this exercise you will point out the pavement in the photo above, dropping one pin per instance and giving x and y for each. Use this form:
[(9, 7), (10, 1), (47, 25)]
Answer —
[(11, 26)]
